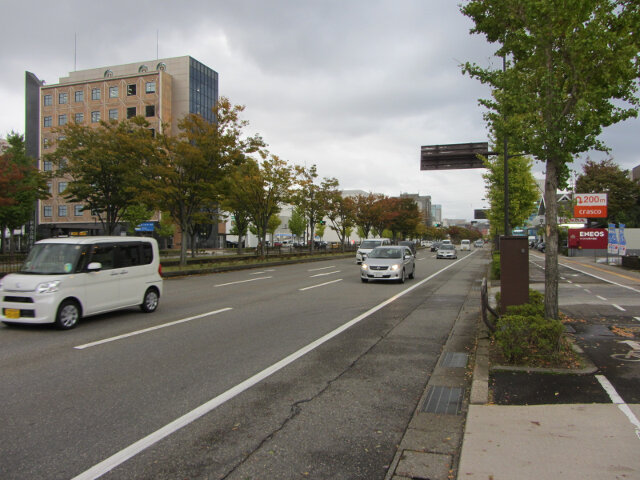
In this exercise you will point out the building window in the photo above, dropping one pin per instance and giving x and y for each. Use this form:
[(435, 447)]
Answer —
[(150, 87), (113, 114), (49, 187), (47, 121), (78, 210), (47, 166), (79, 96), (62, 119), (62, 186), (63, 98), (79, 117), (95, 117), (131, 112), (113, 92), (95, 94), (48, 100), (45, 143), (150, 110), (48, 210), (131, 89), (62, 210)]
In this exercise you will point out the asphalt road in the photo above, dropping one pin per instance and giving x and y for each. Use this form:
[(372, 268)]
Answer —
[(296, 371)]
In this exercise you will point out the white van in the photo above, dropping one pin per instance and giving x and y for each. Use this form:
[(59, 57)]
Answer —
[(367, 245), (65, 279), (465, 245)]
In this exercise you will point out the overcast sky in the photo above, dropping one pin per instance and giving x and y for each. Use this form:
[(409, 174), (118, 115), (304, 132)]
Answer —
[(353, 86)]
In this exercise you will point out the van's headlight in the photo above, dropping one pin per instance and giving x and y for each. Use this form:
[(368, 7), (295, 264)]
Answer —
[(48, 287), (364, 266)]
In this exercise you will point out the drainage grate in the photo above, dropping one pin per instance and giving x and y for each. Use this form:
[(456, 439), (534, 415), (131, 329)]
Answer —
[(447, 400), (454, 360)]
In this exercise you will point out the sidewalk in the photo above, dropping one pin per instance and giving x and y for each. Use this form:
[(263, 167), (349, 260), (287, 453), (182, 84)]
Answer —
[(576, 441)]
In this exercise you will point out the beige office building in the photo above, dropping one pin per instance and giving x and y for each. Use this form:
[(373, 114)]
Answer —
[(162, 91)]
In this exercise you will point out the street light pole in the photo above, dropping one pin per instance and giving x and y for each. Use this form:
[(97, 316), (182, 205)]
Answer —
[(507, 230)]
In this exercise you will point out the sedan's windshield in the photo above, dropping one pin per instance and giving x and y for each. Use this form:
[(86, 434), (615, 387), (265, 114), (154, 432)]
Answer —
[(381, 252), (52, 258), (447, 247)]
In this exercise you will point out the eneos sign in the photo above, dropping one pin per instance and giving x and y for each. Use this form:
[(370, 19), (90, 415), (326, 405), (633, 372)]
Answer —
[(588, 238), (590, 205)]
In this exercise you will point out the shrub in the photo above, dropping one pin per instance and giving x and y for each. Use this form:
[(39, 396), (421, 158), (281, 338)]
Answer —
[(523, 337), (495, 266)]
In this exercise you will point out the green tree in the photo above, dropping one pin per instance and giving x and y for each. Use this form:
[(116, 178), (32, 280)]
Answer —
[(571, 68), (134, 215), (297, 222), (311, 197), (265, 186), (523, 191), (235, 203), (623, 194), (20, 186), (104, 165)]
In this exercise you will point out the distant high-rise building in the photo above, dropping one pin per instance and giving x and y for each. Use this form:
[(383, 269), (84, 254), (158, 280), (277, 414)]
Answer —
[(163, 91), (424, 205)]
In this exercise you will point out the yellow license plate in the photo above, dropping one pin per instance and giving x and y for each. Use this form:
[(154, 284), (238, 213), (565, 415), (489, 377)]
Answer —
[(12, 313)]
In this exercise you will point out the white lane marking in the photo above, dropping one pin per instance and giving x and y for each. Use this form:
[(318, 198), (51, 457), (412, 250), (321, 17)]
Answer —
[(324, 274), (135, 448), (150, 329), (617, 399), (263, 271), (587, 290), (637, 318), (322, 268), (579, 286), (602, 298), (320, 285), (600, 278), (241, 281), (618, 307), (569, 281)]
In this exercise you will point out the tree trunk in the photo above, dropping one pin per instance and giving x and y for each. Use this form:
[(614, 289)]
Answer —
[(551, 241), (183, 247)]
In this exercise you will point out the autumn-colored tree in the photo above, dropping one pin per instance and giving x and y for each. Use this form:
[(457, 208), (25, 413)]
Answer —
[(368, 212), (342, 215), (623, 194), (20, 186), (188, 180), (571, 68)]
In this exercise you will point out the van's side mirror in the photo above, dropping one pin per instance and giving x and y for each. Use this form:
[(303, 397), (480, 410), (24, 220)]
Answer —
[(94, 266)]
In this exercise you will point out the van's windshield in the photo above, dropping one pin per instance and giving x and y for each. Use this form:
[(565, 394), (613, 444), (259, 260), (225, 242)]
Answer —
[(52, 258)]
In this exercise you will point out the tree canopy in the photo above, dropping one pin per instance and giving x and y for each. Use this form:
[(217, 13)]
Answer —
[(571, 68)]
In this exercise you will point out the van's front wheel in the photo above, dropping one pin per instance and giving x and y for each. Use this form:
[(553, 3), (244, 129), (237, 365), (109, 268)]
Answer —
[(68, 315), (150, 300)]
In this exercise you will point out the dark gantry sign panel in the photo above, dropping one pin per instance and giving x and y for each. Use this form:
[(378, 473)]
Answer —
[(454, 156)]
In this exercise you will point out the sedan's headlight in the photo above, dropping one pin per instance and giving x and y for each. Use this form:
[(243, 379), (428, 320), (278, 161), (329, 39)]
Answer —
[(395, 267), (364, 266), (48, 287)]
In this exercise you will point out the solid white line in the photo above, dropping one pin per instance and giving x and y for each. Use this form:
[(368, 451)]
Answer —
[(322, 268), (600, 278), (618, 307), (637, 318), (617, 399), (150, 329), (602, 298), (241, 281), (132, 450), (324, 274), (320, 285)]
